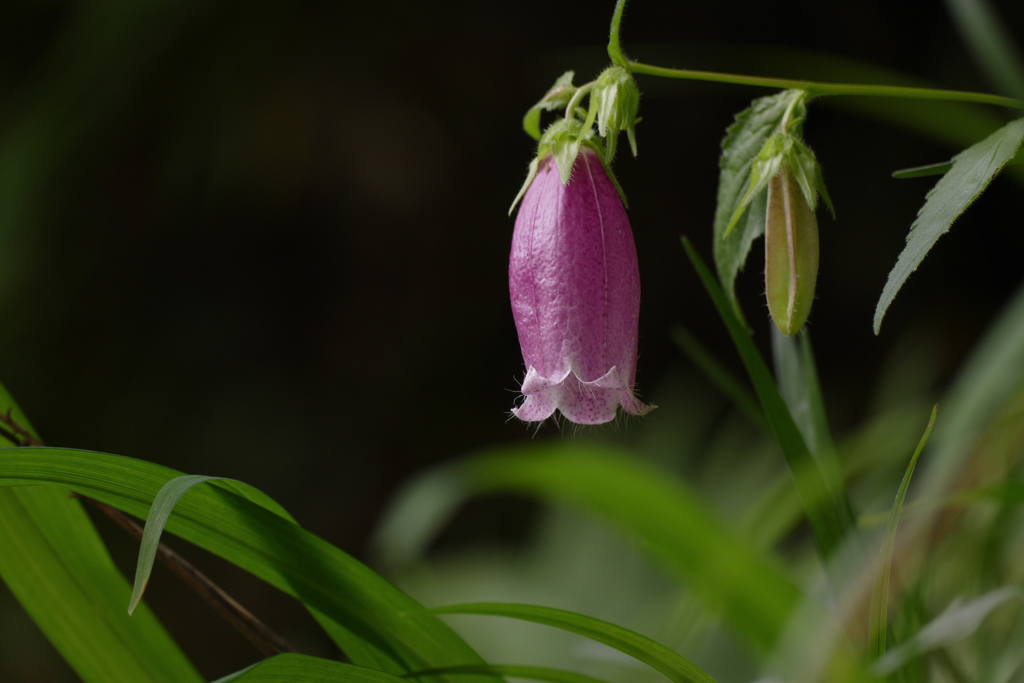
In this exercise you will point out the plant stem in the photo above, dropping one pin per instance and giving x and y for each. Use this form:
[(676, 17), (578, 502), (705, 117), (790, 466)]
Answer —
[(614, 46), (815, 89)]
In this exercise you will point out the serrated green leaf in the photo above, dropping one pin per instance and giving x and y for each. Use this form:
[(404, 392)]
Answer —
[(294, 668), (660, 658), (973, 169), (743, 141), (394, 630)]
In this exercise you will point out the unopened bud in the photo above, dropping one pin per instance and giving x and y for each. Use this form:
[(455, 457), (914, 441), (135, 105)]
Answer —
[(617, 100), (791, 252)]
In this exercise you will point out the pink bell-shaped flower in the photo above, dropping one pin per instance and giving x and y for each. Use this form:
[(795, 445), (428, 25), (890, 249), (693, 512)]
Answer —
[(575, 289)]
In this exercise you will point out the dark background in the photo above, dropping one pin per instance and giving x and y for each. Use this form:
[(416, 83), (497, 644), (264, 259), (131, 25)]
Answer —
[(268, 240)]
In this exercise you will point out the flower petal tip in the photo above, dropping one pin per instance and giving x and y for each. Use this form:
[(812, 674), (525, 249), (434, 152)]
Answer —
[(585, 403)]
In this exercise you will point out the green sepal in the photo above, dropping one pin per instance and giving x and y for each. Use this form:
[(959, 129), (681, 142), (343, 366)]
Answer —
[(617, 101), (563, 140), (784, 149), (557, 97), (530, 175), (766, 165)]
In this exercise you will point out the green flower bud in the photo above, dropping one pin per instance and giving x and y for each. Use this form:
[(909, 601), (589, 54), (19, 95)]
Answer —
[(617, 100), (790, 251)]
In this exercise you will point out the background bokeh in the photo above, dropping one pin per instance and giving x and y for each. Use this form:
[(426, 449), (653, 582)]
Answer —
[(268, 240)]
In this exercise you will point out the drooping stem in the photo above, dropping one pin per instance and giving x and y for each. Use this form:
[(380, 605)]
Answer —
[(815, 88)]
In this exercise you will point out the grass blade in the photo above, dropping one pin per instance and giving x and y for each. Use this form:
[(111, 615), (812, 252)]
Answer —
[(292, 667), (958, 621), (58, 568), (991, 45), (879, 619), (159, 512), (827, 508), (719, 375), (675, 667), (535, 673), (671, 521), (328, 581)]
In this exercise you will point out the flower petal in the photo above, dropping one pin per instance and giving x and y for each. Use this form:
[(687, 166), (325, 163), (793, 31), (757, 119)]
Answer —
[(587, 403)]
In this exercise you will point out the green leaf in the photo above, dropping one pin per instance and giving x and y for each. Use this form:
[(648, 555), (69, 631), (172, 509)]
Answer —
[(879, 619), (669, 519), (958, 621), (972, 171), (293, 668), (992, 46), (743, 141), (824, 501), (797, 375), (159, 512), (535, 673), (676, 667), (557, 97), (940, 168), (57, 567), (391, 627), (55, 564), (719, 375)]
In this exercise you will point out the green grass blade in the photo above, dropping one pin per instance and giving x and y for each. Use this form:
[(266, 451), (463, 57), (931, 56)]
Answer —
[(973, 169), (534, 673), (293, 668), (990, 43), (159, 512), (827, 509), (55, 564), (879, 619), (797, 376), (357, 648), (939, 168), (58, 568), (389, 623), (674, 666), (958, 621), (719, 375), (993, 372), (670, 520)]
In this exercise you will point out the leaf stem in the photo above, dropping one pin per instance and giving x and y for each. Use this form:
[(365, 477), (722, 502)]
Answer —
[(815, 89)]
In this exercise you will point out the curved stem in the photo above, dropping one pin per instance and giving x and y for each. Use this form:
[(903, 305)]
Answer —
[(815, 88), (577, 97), (614, 46)]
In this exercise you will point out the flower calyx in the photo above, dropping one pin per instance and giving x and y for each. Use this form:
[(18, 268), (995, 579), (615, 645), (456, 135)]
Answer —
[(617, 101), (563, 140)]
